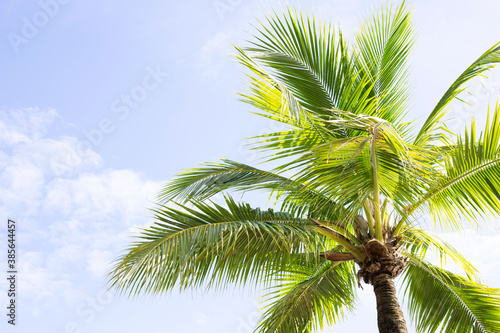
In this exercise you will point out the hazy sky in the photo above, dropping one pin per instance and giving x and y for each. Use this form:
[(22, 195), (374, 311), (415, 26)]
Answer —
[(103, 101)]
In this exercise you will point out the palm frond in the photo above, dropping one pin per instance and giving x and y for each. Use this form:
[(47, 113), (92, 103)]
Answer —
[(213, 246), (485, 62), (441, 301), (303, 68), (419, 241), (213, 178), (470, 183), (271, 95), (306, 297), (384, 43), (342, 168)]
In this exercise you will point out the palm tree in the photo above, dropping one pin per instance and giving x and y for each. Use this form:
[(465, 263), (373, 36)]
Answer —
[(353, 180)]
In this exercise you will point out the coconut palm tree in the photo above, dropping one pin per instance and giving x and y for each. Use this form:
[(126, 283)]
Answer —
[(352, 184)]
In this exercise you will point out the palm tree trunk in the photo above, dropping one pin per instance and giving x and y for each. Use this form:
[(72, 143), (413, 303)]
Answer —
[(389, 315)]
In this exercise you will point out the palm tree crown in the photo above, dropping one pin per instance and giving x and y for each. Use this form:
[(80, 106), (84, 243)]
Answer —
[(353, 177)]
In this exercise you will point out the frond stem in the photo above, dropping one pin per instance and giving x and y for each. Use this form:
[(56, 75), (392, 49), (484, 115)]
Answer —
[(328, 232), (369, 216), (376, 190)]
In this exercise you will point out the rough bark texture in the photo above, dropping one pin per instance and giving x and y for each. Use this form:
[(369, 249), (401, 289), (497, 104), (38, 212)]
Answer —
[(389, 315), (335, 256), (383, 263), (383, 258)]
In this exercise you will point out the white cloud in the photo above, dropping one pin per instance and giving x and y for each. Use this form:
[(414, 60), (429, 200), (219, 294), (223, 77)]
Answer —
[(21, 184), (215, 54), (201, 319), (73, 216), (98, 262), (99, 193), (19, 126), (479, 248)]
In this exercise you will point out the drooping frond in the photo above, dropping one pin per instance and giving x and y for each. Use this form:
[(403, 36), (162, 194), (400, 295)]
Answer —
[(306, 297), (212, 246), (440, 301), (486, 61), (419, 242)]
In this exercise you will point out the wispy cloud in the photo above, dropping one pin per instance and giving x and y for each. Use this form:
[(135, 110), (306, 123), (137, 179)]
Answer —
[(71, 223), (214, 54), (201, 319)]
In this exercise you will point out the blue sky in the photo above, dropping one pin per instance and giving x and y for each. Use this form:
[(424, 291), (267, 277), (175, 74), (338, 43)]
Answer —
[(102, 102)]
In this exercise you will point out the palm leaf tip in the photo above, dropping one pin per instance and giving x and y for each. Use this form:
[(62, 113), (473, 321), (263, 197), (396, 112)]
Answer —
[(484, 63)]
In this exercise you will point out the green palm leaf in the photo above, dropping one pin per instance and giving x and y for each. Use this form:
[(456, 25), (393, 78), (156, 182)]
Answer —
[(384, 43), (213, 178), (485, 62), (420, 241), (469, 185), (307, 296), (303, 67), (342, 168), (440, 301), (211, 245)]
